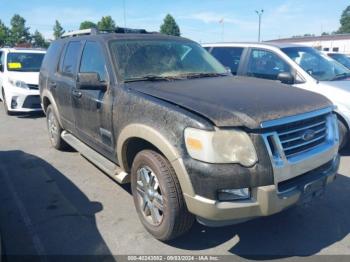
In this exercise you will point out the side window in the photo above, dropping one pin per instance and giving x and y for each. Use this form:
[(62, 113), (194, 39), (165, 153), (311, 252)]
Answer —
[(229, 57), (266, 64), (93, 60), (70, 62)]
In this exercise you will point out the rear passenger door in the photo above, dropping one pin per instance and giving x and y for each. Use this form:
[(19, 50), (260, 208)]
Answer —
[(229, 56), (93, 105), (65, 83)]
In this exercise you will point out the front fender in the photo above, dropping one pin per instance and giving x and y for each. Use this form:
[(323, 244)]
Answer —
[(154, 137)]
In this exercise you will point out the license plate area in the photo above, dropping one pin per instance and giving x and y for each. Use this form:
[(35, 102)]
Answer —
[(312, 190)]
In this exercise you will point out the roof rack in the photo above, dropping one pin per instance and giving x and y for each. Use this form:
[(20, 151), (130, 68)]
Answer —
[(95, 31), (91, 31)]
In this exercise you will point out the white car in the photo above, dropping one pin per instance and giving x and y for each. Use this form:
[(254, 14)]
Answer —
[(19, 77), (300, 66)]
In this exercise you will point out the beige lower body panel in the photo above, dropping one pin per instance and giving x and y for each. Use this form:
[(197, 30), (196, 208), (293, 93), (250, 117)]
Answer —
[(264, 202)]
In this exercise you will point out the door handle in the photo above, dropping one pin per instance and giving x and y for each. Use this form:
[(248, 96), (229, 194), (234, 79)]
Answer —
[(77, 93)]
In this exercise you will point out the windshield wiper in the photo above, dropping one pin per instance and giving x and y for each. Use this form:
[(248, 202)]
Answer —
[(201, 75), (341, 76), (152, 78)]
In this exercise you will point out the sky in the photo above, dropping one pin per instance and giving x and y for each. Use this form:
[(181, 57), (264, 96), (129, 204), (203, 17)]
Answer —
[(198, 19)]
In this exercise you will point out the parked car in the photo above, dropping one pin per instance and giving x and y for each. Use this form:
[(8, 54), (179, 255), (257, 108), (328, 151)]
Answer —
[(296, 65), (160, 112), (340, 58), (19, 77)]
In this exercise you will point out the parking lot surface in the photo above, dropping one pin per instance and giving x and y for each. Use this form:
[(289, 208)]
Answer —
[(59, 203)]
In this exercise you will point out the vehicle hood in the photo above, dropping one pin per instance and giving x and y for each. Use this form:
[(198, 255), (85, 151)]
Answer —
[(337, 91), (31, 78), (341, 84), (234, 101)]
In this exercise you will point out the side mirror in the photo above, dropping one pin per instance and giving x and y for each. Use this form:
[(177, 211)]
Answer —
[(286, 78), (1, 68), (91, 81)]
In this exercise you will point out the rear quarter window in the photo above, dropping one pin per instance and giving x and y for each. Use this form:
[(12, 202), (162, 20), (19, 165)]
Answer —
[(50, 62)]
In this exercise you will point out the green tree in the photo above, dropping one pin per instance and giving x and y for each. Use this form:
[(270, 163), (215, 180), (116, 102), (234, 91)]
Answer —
[(19, 33), (57, 30), (106, 23), (39, 40), (4, 34), (169, 26), (87, 25), (345, 22)]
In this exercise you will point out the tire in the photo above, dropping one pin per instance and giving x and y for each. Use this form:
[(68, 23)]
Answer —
[(54, 129), (343, 135), (170, 217), (9, 113)]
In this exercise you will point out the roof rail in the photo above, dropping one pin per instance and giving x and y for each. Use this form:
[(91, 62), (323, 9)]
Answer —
[(91, 31), (95, 31)]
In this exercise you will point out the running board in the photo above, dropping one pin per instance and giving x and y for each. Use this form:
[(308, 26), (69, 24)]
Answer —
[(107, 166)]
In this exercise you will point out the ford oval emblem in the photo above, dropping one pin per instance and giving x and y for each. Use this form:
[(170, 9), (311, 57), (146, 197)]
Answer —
[(308, 135)]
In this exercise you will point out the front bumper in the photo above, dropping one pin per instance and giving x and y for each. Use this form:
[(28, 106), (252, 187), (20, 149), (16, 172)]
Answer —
[(265, 200), (22, 100)]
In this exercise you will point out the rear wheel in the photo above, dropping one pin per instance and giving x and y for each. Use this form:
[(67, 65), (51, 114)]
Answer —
[(54, 129), (343, 135), (158, 197)]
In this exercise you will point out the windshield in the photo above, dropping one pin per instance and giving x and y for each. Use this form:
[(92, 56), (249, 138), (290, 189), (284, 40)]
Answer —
[(341, 58), (316, 64), (24, 62), (140, 59)]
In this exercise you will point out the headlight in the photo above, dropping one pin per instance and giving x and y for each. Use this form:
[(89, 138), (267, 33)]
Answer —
[(18, 83), (220, 146)]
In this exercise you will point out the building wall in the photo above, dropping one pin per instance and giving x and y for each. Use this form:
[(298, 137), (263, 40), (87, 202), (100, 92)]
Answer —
[(341, 46)]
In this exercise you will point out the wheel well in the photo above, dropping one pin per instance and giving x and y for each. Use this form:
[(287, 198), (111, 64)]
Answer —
[(132, 147), (341, 119), (46, 102)]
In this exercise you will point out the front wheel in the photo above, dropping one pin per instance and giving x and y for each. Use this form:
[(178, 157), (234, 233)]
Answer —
[(158, 197), (55, 130)]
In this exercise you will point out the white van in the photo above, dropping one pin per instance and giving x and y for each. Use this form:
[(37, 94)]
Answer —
[(19, 79), (300, 66)]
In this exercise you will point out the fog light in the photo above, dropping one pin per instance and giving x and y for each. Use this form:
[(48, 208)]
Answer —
[(233, 194), (14, 102)]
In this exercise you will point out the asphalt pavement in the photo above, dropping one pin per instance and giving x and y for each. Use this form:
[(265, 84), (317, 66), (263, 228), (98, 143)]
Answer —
[(56, 202)]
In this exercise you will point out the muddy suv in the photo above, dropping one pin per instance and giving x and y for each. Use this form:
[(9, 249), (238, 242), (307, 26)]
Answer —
[(195, 142)]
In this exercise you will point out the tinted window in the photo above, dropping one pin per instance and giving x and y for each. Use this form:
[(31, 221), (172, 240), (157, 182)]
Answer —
[(2, 59), (265, 64), (69, 66), (52, 56), (228, 56), (93, 60)]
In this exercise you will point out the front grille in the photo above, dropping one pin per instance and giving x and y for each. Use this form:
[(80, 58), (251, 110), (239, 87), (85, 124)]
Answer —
[(34, 87), (32, 102), (301, 136)]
